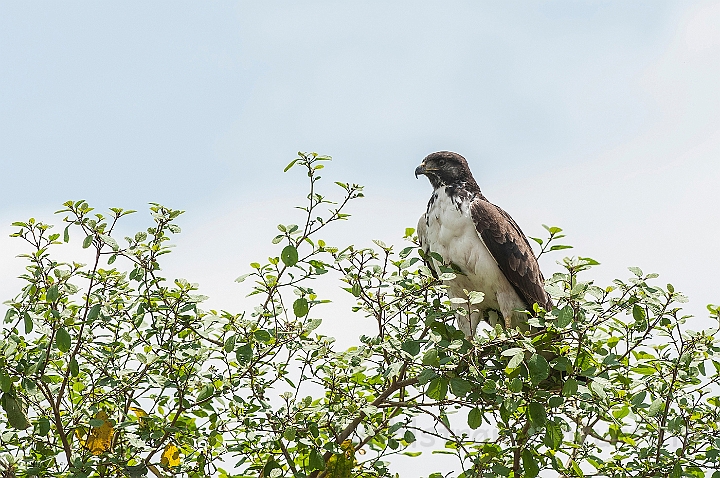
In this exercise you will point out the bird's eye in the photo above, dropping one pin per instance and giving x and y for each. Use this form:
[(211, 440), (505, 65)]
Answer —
[(441, 162)]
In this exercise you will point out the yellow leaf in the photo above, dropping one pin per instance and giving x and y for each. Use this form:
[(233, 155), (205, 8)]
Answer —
[(341, 465), (100, 438), (349, 448), (171, 456), (80, 433), (139, 413)]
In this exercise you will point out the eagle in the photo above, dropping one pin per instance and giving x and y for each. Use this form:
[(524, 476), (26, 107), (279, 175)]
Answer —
[(483, 243)]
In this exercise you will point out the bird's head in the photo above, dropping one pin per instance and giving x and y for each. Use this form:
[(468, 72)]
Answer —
[(445, 168)]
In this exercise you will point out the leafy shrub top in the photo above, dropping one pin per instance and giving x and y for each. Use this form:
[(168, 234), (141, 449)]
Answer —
[(110, 369)]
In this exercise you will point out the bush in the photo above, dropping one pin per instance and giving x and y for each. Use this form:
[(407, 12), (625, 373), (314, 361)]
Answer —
[(109, 369)]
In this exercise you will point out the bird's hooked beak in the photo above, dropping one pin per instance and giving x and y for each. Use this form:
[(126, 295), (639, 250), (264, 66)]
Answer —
[(420, 170)]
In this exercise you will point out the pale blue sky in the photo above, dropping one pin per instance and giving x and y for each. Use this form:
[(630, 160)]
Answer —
[(133, 102), (599, 117)]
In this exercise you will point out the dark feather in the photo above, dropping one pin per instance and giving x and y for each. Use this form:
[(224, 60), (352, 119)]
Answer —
[(511, 250)]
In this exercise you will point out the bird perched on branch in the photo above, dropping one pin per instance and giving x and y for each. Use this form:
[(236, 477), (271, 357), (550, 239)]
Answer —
[(483, 242)]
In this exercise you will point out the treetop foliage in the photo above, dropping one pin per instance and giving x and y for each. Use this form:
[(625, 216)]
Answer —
[(110, 369)]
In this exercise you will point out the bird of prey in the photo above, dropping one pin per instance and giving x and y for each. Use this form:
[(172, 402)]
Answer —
[(482, 241)]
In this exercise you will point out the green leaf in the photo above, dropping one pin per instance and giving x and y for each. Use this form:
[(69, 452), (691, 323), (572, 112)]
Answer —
[(636, 270), (289, 433), (536, 413), (555, 401), (313, 324), (475, 418), (28, 322), (565, 316), (292, 163), (562, 363), (512, 351), (267, 470), (475, 297), (62, 339), (206, 392), (589, 261), (289, 255), (570, 388), (300, 307), (576, 469), (9, 315), (15, 413), (412, 347), (460, 387), (52, 293), (489, 386), (229, 344), (74, 367), (87, 241), (94, 312), (113, 243), (656, 406), (430, 357), (5, 381), (621, 412), (437, 257), (316, 461), (638, 313), (516, 360), (645, 370), (244, 354), (437, 389), (538, 367), (263, 336), (243, 277), (598, 387), (426, 375), (529, 464), (43, 426), (553, 435), (66, 234), (500, 470), (552, 229), (638, 398)]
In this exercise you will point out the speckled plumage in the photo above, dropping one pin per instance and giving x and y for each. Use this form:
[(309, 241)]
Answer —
[(483, 241)]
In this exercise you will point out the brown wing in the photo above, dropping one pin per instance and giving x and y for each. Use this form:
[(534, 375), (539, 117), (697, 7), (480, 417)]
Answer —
[(511, 250)]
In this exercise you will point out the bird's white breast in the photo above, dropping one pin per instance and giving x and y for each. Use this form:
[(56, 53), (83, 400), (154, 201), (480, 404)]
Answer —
[(448, 229)]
